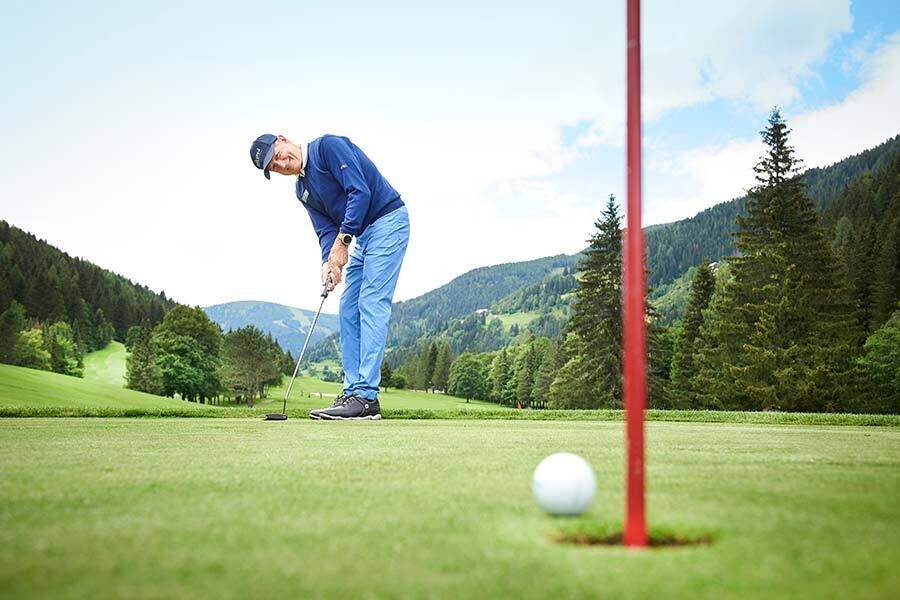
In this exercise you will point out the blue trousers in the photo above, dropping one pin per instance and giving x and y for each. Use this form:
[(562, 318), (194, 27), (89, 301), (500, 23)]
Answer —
[(369, 284)]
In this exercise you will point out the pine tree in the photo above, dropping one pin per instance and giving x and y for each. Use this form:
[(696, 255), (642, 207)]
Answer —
[(429, 364), (12, 322), (861, 256), (529, 361), (886, 287), (141, 371), (549, 365), (499, 376), (288, 364), (387, 375), (591, 376), (783, 332), (684, 366), (442, 367)]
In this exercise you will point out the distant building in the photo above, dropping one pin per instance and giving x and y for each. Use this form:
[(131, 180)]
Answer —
[(481, 312)]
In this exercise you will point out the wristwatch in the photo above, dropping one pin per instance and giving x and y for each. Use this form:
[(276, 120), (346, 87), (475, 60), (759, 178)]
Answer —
[(345, 238)]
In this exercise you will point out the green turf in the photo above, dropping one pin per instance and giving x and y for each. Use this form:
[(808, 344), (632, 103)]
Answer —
[(39, 390), (306, 390), (30, 393), (522, 318), (106, 365), (190, 508)]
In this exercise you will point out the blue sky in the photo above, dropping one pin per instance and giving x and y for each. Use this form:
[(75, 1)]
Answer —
[(501, 123)]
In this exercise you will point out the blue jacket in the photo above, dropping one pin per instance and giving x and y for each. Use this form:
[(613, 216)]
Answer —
[(342, 190)]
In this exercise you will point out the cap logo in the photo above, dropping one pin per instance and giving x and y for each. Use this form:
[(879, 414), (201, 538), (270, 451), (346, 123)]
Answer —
[(256, 159)]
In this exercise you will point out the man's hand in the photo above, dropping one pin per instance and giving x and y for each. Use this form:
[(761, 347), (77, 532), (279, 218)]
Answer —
[(337, 259), (327, 277)]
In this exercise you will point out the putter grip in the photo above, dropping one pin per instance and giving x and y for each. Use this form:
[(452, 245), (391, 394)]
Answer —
[(325, 290)]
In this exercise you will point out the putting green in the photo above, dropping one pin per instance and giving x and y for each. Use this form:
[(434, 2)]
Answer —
[(183, 508)]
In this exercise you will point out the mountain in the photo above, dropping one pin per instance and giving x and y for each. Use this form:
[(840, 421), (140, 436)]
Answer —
[(474, 290), (542, 286), (674, 247), (287, 324)]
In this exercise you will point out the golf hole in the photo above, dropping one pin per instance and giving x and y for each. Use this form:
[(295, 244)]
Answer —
[(617, 539)]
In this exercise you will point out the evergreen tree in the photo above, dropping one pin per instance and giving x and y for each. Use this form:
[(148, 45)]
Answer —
[(288, 364), (886, 288), (860, 257), (442, 367), (525, 374), (547, 369), (684, 366), (591, 376), (12, 322), (499, 376), (103, 331), (660, 347), (880, 368), (386, 375), (782, 334), (142, 373), (429, 364)]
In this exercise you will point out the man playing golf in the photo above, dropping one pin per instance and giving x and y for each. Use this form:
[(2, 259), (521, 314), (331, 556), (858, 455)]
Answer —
[(346, 198)]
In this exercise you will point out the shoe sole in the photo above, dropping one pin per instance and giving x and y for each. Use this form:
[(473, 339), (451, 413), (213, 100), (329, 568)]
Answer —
[(334, 418), (316, 417)]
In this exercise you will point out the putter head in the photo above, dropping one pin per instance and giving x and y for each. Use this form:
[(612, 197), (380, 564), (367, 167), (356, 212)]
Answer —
[(276, 417)]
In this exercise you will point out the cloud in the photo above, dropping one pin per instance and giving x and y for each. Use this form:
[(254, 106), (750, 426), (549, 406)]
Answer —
[(865, 118), (468, 126)]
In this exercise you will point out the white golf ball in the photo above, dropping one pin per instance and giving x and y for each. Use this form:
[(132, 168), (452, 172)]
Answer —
[(564, 484)]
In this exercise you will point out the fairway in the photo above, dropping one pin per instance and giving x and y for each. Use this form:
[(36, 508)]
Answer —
[(106, 365), (181, 508)]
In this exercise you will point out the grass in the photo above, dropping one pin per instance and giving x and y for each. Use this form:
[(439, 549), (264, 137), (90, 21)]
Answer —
[(106, 365), (30, 393), (30, 389), (190, 508), (522, 318)]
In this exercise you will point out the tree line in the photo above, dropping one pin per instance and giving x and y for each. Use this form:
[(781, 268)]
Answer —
[(804, 318), (55, 308), (187, 354)]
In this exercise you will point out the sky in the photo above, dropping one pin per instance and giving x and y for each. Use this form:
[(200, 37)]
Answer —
[(127, 126)]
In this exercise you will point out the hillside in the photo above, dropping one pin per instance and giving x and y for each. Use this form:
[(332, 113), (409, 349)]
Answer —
[(542, 286), (22, 388), (51, 285), (473, 290), (288, 325), (674, 247)]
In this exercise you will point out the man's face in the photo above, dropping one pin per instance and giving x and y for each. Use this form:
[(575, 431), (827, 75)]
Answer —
[(288, 157)]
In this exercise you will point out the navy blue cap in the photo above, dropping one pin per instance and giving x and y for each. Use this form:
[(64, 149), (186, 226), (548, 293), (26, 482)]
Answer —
[(261, 152)]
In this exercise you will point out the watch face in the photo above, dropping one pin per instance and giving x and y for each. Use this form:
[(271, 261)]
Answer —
[(346, 238)]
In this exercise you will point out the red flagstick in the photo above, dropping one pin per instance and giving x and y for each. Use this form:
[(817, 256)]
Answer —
[(633, 314)]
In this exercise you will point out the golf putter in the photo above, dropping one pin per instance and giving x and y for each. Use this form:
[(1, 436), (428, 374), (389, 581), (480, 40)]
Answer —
[(282, 416)]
